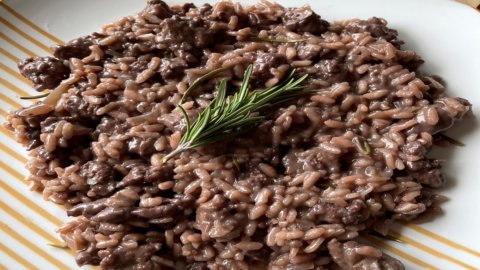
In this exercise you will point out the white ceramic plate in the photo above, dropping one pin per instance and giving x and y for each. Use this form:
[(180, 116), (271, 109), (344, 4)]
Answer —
[(445, 33)]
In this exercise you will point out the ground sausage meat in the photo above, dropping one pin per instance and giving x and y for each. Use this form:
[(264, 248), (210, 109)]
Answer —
[(44, 72), (78, 48), (346, 255), (376, 27), (304, 20)]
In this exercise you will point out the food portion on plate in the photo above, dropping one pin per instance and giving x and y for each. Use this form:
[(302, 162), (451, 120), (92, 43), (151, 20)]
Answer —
[(234, 137)]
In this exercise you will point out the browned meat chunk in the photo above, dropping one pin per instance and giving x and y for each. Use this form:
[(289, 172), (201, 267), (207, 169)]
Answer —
[(265, 62), (77, 48), (44, 72), (173, 68), (304, 20), (348, 256), (376, 27), (157, 8)]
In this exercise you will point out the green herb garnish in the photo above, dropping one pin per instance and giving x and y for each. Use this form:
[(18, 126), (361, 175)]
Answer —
[(227, 116), (362, 145), (235, 163), (366, 148), (277, 40), (327, 185), (35, 97), (200, 80), (62, 246), (385, 237), (450, 140)]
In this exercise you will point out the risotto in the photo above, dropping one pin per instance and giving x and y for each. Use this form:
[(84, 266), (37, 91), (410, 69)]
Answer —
[(295, 192)]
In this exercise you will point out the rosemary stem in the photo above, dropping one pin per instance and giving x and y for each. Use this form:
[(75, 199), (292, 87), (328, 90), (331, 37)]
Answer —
[(180, 148)]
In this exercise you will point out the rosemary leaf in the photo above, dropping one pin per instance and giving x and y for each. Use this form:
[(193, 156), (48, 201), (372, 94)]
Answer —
[(55, 245), (362, 145), (385, 237), (327, 185), (451, 140), (229, 116), (235, 163), (367, 148), (35, 97), (199, 81), (277, 40)]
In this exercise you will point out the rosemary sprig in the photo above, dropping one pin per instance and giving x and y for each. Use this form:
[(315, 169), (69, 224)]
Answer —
[(35, 97), (200, 80), (227, 116)]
